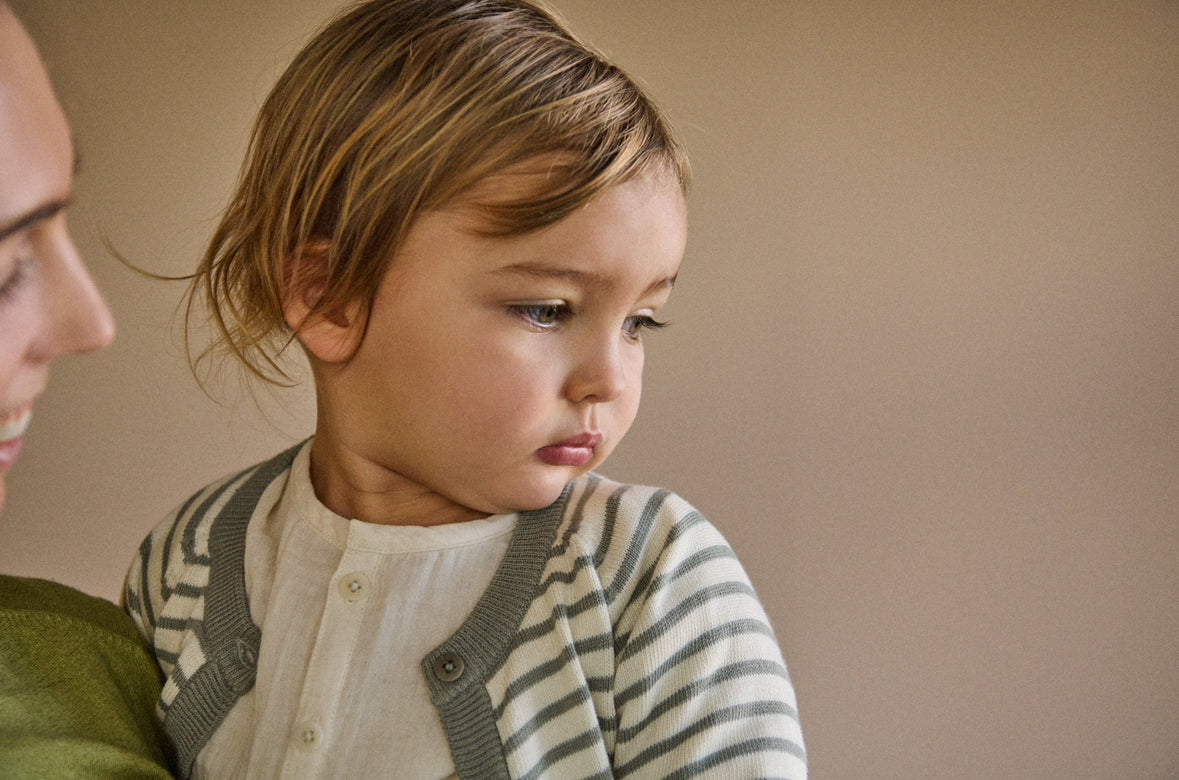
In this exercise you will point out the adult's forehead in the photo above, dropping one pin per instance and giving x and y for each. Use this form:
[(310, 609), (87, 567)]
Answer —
[(20, 64), (36, 150), (12, 36)]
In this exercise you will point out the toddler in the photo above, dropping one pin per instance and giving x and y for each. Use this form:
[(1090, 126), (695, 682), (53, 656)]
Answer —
[(469, 221)]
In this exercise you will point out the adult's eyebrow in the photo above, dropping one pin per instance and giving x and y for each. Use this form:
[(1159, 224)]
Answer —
[(45, 211), (39, 214)]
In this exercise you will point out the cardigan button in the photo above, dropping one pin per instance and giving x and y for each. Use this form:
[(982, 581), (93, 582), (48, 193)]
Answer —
[(246, 655), (448, 667)]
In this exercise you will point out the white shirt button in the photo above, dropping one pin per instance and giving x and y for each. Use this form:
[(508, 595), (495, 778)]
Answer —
[(354, 586), (308, 736)]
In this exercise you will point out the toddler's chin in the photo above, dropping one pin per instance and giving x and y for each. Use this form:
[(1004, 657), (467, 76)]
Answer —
[(548, 495), (531, 500)]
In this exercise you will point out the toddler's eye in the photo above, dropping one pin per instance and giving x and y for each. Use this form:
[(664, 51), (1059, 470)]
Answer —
[(634, 326), (545, 316)]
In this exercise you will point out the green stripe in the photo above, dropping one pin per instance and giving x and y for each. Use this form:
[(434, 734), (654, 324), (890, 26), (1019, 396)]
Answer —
[(637, 542), (698, 644), (763, 745), (656, 584), (547, 713), (592, 601), (573, 524), (228, 635), (701, 687), (165, 550), (682, 611), (546, 669), (726, 716), (570, 747)]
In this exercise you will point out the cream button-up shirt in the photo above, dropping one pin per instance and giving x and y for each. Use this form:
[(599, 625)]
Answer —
[(347, 611)]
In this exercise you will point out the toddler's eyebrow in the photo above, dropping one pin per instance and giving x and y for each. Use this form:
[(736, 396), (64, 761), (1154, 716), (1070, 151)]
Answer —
[(583, 278)]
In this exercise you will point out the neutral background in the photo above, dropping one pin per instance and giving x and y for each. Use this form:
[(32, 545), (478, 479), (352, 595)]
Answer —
[(923, 372)]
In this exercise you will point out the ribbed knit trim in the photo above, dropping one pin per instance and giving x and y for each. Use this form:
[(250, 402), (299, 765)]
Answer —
[(228, 635), (653, 576), (484, 641)]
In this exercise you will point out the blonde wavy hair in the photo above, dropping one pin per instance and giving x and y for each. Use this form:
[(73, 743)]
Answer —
[(395, 108)]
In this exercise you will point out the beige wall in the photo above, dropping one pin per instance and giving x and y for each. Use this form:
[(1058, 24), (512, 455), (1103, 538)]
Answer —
[(923, 372)]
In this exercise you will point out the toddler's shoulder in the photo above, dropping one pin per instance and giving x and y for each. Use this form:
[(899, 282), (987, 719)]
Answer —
[(596, 501), (237, 495), (178, 552), (626, 525)]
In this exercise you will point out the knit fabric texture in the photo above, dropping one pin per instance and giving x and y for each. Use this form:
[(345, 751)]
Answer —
[(78, 687), (619, 637)]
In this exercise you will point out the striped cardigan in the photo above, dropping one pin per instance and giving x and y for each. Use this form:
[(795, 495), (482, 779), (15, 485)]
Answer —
[(619, 637)]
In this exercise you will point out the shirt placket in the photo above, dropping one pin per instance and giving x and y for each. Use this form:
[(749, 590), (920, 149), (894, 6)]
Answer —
[(346, 601)]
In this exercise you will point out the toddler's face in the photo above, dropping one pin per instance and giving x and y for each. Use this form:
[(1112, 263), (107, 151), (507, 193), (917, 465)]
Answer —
[(495, 370)]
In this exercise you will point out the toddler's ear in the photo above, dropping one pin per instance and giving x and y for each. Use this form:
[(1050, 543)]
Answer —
[(330, 335)]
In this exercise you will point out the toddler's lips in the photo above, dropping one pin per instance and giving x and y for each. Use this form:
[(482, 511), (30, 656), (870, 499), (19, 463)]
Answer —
[(576, 451)]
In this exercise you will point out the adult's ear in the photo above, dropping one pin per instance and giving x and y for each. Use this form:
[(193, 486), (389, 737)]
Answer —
[(331, 334)]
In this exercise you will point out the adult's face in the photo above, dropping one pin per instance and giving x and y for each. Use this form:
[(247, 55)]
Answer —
[(49, 305)]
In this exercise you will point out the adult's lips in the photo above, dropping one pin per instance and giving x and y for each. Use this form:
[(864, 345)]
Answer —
[(12, 429)]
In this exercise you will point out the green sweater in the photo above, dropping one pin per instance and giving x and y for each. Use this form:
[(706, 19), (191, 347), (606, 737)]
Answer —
[(77, 687)]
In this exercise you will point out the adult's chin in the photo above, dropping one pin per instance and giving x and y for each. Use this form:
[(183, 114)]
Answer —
[(2, 491)]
